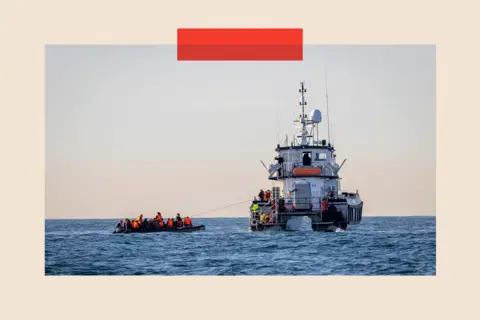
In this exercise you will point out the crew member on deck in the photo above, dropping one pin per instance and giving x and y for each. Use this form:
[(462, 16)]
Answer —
[(255, 210), (280, 161), (267, 218), (260, 195), (267, 195), (306, 159), (262, 218), (324, 204)]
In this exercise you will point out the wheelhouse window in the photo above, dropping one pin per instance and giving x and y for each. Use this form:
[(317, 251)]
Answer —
[(307, 158), (320, 156)]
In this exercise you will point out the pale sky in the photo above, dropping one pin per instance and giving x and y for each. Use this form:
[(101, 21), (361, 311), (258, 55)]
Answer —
[(131, 130)]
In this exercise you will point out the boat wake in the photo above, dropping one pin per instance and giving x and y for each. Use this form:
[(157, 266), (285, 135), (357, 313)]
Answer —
[(295, 223)]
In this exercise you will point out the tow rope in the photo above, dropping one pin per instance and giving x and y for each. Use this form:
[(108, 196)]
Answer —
[(197, 214)]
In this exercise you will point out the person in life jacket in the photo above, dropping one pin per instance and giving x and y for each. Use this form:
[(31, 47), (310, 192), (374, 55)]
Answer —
[(169, 223), (274, 205), (135, 224), (179, 223), (262, 218), (158, 216), (267, 195), (188, 222), (161, 223), (324, 204), (255, 210), (140, 218)]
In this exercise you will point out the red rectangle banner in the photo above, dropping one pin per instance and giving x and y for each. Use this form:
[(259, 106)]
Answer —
[(239, 44)]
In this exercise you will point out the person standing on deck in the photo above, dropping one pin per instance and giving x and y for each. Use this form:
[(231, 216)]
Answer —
[(255, 211), (261, 195), (267, 195)]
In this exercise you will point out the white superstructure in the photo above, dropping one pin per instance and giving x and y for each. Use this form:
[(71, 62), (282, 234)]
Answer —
[(306, 173)]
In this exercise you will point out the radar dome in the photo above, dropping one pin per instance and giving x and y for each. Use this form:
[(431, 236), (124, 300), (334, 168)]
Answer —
[(316, 116)]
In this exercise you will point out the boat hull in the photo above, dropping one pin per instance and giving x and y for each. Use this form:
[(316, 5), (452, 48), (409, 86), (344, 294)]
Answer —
[(262, 227), (189, 229)]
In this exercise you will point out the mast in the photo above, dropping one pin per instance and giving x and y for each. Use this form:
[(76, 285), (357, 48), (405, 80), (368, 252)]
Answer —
[(326, 100), (302, 90)]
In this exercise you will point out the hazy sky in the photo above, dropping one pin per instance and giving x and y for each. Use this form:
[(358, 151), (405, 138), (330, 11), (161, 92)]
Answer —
[(130, 129)]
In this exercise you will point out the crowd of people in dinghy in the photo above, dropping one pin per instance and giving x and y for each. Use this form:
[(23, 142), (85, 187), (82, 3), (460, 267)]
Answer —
[(156, 223)]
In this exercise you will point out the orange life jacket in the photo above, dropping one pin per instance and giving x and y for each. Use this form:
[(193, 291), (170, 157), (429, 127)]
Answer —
[(135, 225), (170, 223), (161, 223), (324, 205), (188, 222), (159, 216)]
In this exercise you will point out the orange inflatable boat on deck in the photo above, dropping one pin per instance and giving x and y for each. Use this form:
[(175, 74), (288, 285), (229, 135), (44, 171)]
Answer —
[(298, 172)]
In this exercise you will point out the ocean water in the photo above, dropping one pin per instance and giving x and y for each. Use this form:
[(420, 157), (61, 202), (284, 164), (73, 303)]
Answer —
[(378, 246)]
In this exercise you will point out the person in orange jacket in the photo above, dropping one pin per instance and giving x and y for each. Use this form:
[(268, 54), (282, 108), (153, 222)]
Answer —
[(179, 223), (161, 223), (135, 224), (169, 223), (267, 195), (188, 222)]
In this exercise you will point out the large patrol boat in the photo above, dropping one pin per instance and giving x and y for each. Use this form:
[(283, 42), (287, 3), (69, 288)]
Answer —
[(306, 183)]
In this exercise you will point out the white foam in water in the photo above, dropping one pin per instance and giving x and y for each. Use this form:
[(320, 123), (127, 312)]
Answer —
[(295, 223)]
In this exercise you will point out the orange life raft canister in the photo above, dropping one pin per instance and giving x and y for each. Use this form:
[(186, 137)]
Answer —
[(307, 171)]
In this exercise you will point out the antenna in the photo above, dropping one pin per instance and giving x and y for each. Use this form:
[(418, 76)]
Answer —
[(303, 120), (326, 100), (278, 134)]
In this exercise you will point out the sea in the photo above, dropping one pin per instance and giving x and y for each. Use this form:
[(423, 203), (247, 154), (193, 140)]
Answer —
[(377, 246)]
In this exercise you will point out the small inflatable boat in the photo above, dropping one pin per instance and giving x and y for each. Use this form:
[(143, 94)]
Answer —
[(183, 229)]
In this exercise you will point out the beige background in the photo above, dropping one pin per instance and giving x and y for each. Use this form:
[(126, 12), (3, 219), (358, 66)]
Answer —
[(26, 26)]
